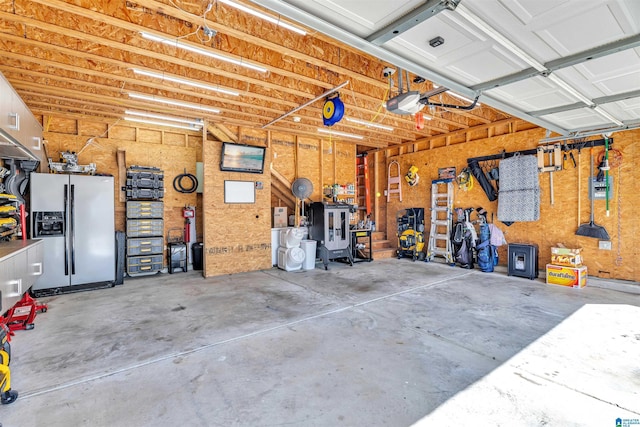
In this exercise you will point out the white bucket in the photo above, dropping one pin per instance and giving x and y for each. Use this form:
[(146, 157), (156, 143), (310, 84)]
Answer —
[(290, 259), (290, 238), (309, 248)]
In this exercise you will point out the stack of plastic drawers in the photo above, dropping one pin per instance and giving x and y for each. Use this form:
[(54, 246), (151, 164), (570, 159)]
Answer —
[(144, 183), (145, 224)]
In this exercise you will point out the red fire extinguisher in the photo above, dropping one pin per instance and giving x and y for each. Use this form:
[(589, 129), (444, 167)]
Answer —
[(187, 214)]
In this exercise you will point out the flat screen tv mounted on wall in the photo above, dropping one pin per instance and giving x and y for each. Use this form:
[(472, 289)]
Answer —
[(242, 158)]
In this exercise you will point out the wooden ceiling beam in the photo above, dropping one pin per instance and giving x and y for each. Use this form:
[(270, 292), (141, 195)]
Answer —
[(82, 71), (88, 66)]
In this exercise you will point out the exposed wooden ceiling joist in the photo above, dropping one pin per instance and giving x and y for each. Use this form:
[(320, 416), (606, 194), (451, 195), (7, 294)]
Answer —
[(78, 56)]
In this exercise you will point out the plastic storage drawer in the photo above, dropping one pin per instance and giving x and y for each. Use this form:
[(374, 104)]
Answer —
[(148, 246), (145, 227), (145, 209), (145, 183), (138, 173), (145, 193), (144, 264)]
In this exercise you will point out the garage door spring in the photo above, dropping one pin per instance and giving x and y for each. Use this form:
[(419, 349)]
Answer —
[(180, 188)]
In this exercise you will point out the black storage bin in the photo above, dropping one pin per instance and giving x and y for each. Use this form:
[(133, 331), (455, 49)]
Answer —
[(196, 250)]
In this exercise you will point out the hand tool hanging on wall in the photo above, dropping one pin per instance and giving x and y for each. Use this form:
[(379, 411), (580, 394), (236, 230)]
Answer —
[(579, 186), (571, 146), (555, 163), (606, 171), (482, 179), (551, 180), (591, 229)]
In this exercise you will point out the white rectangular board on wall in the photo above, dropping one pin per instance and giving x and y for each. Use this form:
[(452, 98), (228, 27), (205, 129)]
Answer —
[(239, 192)]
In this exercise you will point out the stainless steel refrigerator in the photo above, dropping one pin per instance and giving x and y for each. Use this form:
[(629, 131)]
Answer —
[(74, 216)]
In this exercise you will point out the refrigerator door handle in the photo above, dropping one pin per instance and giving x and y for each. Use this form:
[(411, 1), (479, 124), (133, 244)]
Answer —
[(72, 226), (66, 252)]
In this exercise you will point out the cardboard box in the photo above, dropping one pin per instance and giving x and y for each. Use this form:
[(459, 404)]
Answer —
[(280, 217), (566, 256), (573, 277)]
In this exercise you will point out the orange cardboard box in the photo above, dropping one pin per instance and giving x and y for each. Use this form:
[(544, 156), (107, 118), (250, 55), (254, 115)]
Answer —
[(573, 277)]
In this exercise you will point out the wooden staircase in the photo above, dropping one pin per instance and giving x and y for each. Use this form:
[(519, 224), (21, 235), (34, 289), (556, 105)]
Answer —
[(383, 247), (281, 188)]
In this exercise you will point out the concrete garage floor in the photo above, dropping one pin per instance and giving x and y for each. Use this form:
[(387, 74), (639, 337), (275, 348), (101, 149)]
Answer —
[(387, 343)]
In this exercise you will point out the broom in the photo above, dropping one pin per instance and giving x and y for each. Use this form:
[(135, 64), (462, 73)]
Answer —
[(591, 229)]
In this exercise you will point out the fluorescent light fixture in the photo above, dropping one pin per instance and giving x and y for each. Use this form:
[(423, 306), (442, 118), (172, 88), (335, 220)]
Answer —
[(266, 17), (176, 43), (337, 133), (606, 115), (169, 78), (194, 122), (168, 101), (153, 122), (369, 124)]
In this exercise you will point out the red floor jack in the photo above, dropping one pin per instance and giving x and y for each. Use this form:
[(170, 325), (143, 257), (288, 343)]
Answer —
[(23, 313)]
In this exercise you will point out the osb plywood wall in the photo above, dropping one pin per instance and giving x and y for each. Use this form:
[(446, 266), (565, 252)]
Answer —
[(558, 222), (323, 162), (173, 152), (237, 237), (378, 185)]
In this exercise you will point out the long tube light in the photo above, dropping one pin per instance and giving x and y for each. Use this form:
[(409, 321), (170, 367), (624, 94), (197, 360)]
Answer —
[(194, 122), (266, 17), (153, 122), (369, 124), (168, 101), (338, 133), (200, 51), (170, 78)]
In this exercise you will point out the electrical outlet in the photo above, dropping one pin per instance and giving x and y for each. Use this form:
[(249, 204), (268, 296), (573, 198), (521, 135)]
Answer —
[(604, 244)]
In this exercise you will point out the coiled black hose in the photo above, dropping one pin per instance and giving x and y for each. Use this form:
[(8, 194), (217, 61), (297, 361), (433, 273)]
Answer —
[(177, 183)]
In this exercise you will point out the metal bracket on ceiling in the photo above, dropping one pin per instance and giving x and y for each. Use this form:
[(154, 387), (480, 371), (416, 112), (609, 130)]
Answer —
[(428, 10)]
